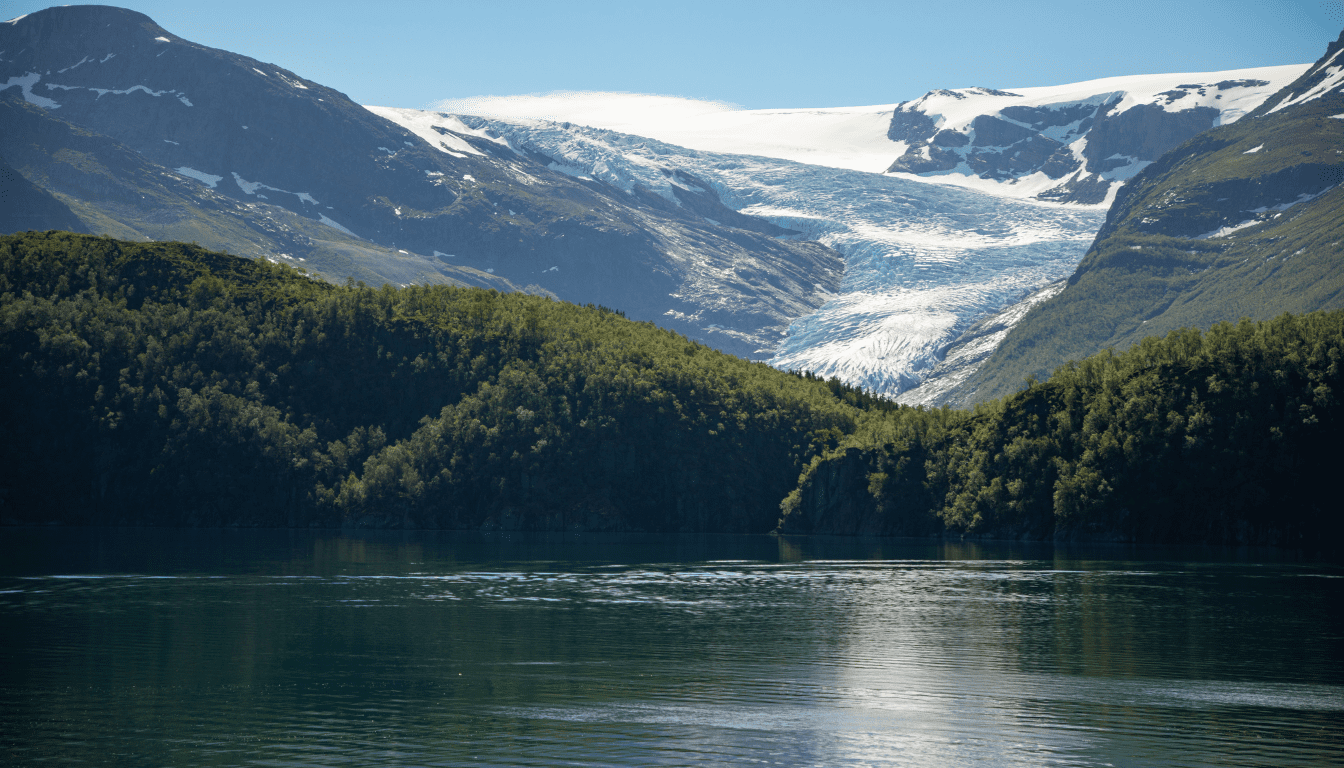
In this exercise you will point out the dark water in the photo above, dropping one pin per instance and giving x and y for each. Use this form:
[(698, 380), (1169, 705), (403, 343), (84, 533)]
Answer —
[(188, 648)]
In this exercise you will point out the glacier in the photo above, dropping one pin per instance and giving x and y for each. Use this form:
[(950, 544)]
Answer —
[(937, 265), (922, 261)]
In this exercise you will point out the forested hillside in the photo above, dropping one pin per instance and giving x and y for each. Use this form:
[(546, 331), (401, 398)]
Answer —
[(164, 384), (1229, 436)]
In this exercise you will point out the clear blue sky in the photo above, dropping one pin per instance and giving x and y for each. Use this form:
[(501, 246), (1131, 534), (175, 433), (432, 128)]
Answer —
[(756, 54)]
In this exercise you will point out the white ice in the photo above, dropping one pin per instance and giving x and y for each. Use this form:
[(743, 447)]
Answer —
[(25, 85), (1334, 78), (1254, 149), (853, 138), (1225, 231), (923, 261), (72, 66), (208, 179), (926, 256), (325, 219), (422, 124), (113, 91)]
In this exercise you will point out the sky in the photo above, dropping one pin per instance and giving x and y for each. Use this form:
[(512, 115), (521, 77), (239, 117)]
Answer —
[(756, 55)]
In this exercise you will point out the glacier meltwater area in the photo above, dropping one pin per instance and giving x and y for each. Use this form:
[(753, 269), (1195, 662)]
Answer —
[(923, 261)]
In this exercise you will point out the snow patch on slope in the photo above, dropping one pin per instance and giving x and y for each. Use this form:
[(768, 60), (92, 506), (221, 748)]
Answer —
[(208, 179), (25, 84), (423, 124), (1334, 78)]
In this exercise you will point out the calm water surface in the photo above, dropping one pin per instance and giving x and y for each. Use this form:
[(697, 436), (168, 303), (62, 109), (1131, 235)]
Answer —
[(190, 648)]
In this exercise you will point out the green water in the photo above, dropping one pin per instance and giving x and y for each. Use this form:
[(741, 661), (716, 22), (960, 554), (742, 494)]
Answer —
[(191, 648)]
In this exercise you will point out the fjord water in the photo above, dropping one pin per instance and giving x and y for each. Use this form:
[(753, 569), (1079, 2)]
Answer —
[(153, 647)]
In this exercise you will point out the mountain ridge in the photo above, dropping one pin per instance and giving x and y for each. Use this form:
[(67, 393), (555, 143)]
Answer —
[(1245, 220), (238, 131)]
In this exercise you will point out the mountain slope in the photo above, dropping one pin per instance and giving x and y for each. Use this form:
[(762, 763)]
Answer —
[(24, 205), (1246, 220), (923, 262), (938, 264), (246, 133), (108, 188)]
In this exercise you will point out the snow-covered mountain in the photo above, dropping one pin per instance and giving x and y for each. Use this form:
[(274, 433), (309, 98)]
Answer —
[(773, 234), (1070, 143), (922, 261), (1244, 221), (930, 256), (992, 140)]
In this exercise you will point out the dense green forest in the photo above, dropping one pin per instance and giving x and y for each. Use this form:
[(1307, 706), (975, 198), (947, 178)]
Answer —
[(162, 384), (1226, 436)]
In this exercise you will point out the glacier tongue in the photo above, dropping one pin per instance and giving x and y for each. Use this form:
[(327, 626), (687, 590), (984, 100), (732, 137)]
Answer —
[(923, 261)]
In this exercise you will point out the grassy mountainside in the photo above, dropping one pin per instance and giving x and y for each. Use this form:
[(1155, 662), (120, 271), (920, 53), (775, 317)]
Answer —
[(1245, 220), (164, 384)]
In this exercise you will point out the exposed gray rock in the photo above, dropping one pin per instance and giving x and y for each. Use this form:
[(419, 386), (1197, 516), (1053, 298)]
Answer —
[(1016, 160), (924, 158), (1243, 83), (1061, 163), (951, 139), (1041, 118), (1143, 131), (910, 125), (990, 131), (1083, 188)]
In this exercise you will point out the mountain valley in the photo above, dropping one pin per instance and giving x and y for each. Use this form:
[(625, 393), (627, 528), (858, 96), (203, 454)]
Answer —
[(893, 247)]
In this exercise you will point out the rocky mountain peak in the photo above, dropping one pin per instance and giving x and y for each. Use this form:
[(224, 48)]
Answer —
[(1072, 143)]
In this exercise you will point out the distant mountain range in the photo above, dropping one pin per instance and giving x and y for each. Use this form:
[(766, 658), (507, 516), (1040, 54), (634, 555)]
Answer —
[(938, 264), (894, 247)]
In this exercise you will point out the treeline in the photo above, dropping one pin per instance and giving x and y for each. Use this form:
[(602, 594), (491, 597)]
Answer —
[(1229, 436), (163, 384)]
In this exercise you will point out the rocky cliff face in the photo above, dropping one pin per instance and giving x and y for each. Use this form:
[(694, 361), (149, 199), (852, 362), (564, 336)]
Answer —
[(242, 142), (1072, 143)]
